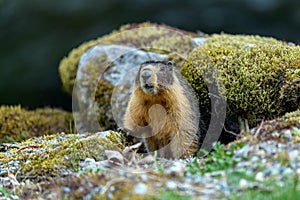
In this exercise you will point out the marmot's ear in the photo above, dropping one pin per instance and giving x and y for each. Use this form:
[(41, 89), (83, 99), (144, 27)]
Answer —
[(170, 65)]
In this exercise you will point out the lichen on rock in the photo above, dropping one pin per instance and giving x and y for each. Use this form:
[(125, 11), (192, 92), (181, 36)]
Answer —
[(260, 76), (17, 123)]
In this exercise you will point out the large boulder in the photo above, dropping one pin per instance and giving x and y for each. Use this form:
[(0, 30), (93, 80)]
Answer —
[(258, 76), (17, 124), (103, 70)]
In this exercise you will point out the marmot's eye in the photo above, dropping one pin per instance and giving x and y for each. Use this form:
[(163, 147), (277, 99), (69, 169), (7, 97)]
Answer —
[(170, 63)]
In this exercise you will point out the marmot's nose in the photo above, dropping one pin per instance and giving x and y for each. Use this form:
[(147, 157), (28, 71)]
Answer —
[(146, 74)]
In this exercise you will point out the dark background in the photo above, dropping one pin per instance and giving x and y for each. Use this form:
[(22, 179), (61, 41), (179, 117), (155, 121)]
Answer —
[(36, 34)]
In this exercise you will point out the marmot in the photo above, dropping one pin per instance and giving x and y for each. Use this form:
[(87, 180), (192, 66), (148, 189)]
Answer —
[(163, 110)]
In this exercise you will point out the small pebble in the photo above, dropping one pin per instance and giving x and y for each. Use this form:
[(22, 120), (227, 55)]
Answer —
[(178, 169), (243, 184), (198, 41), (144, 177), (294, 154), (254, 159), (110, 195), (171, 185), (104, 134), (259, 176), (3, 171), (140, 188), (287, 134), (87, 197), (66, 190), (287, 171), (89, 160), (267, 173), (37, 140)]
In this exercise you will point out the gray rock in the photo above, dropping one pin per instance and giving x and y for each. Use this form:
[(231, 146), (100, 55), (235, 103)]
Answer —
[(113, 64)]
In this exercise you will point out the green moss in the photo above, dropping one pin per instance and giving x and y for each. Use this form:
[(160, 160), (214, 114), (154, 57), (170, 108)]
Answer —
[(68, 152), (103, 98), (260, 76), (293, 116), (147, 36), (17, 124), (53, 154)]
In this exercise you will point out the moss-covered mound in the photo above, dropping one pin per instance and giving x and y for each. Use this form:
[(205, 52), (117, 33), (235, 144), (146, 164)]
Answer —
[(17, 123), (57, 154), (260, 76), (146, 36)]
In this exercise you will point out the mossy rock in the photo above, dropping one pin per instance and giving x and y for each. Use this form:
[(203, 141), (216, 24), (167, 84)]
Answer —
[(119, 54), (147, 36), (260, 76), (57, 154), (17, 123)]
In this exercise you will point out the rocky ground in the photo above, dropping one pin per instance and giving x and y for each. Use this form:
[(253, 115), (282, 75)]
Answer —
[(97, 166)]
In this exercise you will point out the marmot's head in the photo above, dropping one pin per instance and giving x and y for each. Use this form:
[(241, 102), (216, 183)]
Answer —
[(155, 76)]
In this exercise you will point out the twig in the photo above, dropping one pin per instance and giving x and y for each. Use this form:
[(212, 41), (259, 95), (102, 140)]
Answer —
[(259, 128), (247, 125), (231, 132)]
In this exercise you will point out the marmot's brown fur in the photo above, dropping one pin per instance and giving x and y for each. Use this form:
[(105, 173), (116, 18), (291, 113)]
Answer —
[(164, 110)]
